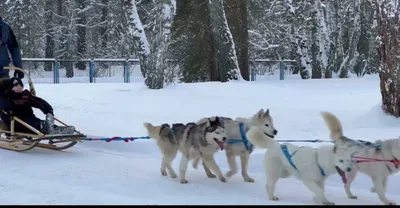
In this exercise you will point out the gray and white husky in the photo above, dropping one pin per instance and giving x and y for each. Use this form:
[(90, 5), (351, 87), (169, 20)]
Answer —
[(378, 161), (194, 141), (238, 144)]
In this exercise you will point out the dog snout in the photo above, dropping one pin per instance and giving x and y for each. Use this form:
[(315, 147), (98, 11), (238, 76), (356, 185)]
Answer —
[(224, 139), (348, 169), (275, 132)]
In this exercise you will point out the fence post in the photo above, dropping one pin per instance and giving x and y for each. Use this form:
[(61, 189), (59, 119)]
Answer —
[(56, 72), (252, 72), (91, 71), (127, 73), (282, 68)]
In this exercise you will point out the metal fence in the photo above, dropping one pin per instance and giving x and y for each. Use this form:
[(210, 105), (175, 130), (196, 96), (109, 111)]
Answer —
[(265, 66), (91, 62), (257, 67)]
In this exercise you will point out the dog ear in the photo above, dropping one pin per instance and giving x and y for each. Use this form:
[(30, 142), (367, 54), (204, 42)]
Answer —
[(260, 113), (209, 121), (165, 129), (266, 114)]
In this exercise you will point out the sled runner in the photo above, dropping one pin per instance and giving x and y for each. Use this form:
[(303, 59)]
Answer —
[(19, 141)]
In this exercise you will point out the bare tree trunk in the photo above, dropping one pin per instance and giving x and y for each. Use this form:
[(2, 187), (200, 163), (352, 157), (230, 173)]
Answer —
[(49, 51), (103, 29), (212, 56), (81, 30), (389, 53)]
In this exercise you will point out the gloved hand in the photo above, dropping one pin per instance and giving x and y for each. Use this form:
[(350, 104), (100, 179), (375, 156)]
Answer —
[(19, 74)]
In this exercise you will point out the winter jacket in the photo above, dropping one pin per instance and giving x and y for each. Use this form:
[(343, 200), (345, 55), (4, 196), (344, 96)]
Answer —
[(22, 103), (8, 43)]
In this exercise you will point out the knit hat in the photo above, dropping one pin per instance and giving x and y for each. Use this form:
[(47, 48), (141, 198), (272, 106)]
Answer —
[(14, 82)]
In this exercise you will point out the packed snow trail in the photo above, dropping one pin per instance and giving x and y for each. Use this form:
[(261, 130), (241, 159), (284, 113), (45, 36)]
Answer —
[(99, 172)]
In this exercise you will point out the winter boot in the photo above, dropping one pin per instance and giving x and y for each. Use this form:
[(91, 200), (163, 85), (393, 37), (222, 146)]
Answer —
[(63, 130), (48, 126)]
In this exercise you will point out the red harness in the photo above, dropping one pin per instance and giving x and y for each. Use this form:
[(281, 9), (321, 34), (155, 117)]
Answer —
[(395, 162)]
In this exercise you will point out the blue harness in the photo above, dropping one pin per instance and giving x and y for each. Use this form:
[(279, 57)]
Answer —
[(289, 158), (249, 146)]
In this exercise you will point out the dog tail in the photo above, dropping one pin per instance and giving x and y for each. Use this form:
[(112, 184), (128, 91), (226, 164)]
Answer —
[(153, 131), (334, 125), (256, 137)]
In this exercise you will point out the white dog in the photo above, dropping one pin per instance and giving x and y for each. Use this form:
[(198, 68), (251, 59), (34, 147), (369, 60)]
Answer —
[(237, 143), (310, 165), (378, 160)]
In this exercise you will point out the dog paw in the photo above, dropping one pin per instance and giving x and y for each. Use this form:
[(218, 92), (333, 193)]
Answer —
[(164, 173), (274, 198), (195, 165), (353, 197), (230, 173), (391, 203), (211, 176), (173, 175), (372, 190), (249, 180), (328, 203), (222, 179), (184, 181)]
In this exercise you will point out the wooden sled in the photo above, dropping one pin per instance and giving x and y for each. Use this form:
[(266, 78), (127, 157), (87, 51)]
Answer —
[(18, 141)]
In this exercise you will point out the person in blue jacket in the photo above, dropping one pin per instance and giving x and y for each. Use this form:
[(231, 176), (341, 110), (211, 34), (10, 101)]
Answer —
[(8, 44)]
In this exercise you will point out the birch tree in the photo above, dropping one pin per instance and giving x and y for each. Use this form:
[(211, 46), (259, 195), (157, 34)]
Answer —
[(136, 30), (297, 15), (156, 63)]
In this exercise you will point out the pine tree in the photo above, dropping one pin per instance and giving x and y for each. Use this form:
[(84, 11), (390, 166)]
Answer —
[(389, 53), (192, 46), (227, 61), (237, 15)]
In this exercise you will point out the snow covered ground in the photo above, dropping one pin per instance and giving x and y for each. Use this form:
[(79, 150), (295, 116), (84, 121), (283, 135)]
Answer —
[(97, 172)]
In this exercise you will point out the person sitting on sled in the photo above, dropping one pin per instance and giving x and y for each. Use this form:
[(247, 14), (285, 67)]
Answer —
[(21, 103)]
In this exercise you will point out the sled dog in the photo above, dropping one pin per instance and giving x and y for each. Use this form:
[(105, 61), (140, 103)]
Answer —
[(310, 165), (238, 144), (193, 141), (378, 160)]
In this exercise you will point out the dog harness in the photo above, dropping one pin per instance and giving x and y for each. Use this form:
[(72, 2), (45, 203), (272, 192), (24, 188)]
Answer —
[(370, 144), (249, 146), (377, 147), (289, 158)]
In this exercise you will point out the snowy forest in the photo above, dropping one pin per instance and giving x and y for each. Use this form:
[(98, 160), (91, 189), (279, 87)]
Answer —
[(202, 40), (217, 40)]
